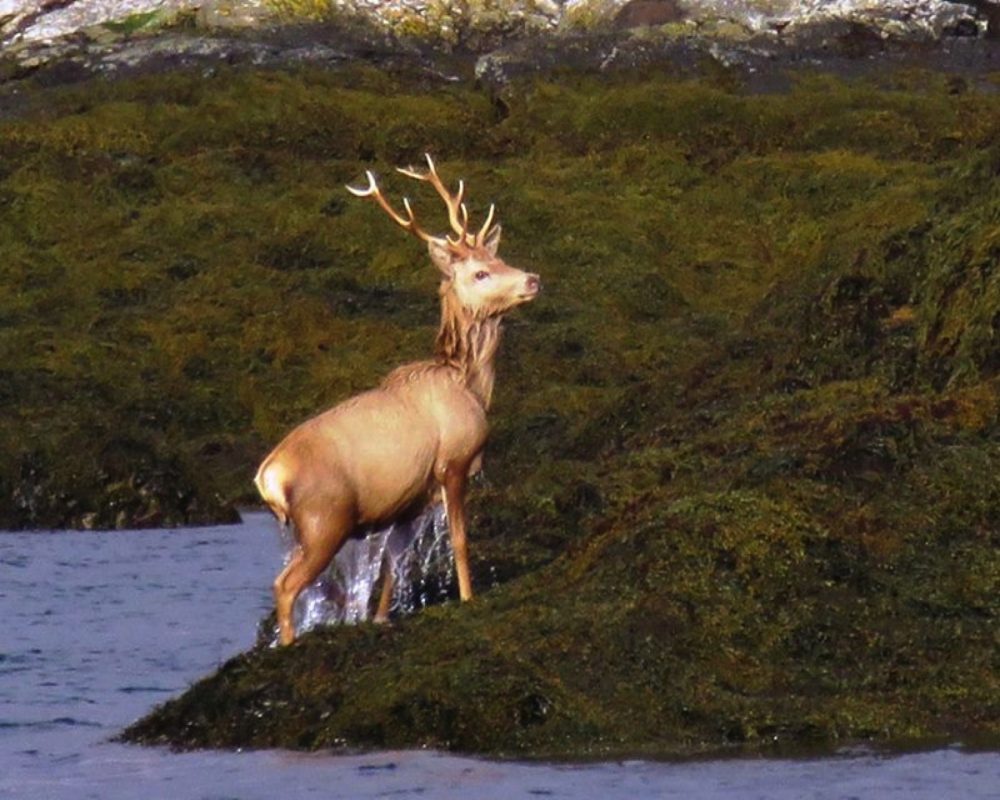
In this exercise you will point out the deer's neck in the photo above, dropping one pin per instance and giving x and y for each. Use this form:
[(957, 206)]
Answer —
[(469, 344)]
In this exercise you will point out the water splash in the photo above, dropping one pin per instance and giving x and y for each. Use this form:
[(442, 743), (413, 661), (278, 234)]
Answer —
[(417, 551)]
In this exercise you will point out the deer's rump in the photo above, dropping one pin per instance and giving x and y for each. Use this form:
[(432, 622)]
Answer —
[(375, 452)]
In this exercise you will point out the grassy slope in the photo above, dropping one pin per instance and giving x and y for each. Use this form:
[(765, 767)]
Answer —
[(741, 481)]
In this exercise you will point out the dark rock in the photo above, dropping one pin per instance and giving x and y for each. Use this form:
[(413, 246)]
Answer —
[(990, 11), (962, 27), (643, 13)]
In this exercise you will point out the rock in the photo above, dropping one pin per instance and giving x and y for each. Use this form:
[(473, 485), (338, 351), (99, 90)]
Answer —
[(48, 21), (100, 34), (482, 22), (589, 14), (962, 27), (14, 14), (640, 13), (40, 31), (509, 37), (777, 501), (989, 10), (230, 14)]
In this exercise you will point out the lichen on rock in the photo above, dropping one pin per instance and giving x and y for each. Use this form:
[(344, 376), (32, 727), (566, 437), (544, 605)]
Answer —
[(479, 24)]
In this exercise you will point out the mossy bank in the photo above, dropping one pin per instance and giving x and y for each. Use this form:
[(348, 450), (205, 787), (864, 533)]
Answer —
[(741, 483)]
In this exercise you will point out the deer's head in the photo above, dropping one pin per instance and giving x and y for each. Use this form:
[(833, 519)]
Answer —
[(472, 273)]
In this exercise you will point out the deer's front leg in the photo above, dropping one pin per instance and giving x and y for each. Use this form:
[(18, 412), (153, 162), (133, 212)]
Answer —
[(385, 601), (455, 479)]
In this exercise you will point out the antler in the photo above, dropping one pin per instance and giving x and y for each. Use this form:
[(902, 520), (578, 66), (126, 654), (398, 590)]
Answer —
[(458, 214), (408, 223)]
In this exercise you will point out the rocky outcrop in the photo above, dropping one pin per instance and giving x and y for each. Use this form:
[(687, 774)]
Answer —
[(114, 482), (36, 29), (61, 40), (24, 22), (741, 489), (46, 21)]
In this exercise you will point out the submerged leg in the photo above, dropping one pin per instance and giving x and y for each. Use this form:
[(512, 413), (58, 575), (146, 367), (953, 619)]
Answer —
[(454, 505), (320, 537)]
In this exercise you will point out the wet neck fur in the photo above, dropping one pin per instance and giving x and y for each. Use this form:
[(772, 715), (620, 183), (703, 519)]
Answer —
[(468, 342)]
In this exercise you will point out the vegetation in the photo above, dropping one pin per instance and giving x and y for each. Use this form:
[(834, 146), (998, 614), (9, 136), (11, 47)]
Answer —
[(741, 484)]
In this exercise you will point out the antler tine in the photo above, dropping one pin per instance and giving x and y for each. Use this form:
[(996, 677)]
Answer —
[(452, 201), (408, 223), (463, 232), (485, 230)]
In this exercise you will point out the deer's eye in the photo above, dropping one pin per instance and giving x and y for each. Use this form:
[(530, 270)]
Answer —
[(482, 275)]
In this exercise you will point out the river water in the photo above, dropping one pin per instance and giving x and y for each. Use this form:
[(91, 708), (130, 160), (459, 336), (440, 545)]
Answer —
[(99, 627)]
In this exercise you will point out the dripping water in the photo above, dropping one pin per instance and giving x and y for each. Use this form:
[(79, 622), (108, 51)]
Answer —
[(418, 551)]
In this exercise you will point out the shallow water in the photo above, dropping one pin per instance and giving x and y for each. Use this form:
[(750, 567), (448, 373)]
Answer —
[(418, 552), (98, 627)]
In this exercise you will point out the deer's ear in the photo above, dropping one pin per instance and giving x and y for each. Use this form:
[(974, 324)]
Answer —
[(492, 243), (442, 257)]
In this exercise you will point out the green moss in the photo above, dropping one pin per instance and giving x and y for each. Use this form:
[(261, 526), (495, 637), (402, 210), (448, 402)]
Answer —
[(739, 485), (136, 22)]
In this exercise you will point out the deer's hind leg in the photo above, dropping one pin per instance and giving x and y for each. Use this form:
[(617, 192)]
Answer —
[(321, 534)]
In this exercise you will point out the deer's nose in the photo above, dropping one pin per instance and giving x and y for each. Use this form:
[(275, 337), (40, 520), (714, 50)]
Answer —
[(533, 283)]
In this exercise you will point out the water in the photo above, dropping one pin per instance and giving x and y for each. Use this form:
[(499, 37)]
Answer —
[(99, 627), (418, 553)]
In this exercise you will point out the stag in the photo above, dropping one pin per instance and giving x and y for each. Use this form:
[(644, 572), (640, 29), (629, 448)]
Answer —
[(390, 452)]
